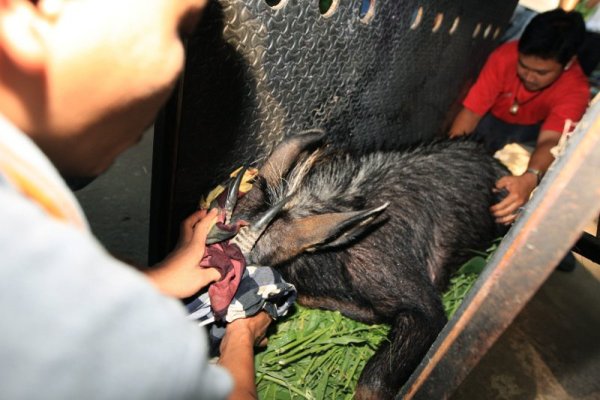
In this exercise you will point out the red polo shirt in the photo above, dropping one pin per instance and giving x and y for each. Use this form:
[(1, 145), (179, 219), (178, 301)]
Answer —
[(498, 83)]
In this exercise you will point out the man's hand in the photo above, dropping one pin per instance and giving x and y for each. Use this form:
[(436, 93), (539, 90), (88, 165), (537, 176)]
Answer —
[(180, 275), (254, 327), (464, 124), (519, 189), (237, 352)]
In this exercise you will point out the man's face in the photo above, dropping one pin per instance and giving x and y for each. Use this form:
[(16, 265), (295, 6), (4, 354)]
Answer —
[(112, 65), (537, 73)]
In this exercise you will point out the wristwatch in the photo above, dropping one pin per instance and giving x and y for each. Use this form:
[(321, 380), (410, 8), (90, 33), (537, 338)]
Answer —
[(538, 174)]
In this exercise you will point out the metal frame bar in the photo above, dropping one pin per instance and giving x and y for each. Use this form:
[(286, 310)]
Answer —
[(552, 221)]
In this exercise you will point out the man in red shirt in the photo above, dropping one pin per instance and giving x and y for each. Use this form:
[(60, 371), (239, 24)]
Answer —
[(529, 92)]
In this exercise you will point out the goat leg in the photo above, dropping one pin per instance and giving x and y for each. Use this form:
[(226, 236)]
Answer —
[(412, 333)]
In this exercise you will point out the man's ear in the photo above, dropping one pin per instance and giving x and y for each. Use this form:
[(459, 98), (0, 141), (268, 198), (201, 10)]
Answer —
[(20, 37)]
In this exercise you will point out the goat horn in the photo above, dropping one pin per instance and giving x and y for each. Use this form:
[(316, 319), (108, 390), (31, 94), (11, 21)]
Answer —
[(284, 155), (232, 194), (248, 235)]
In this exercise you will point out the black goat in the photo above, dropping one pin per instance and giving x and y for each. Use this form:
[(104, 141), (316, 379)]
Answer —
[(328, 234)]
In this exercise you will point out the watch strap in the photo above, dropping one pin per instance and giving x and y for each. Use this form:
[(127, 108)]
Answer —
[(536, 172)]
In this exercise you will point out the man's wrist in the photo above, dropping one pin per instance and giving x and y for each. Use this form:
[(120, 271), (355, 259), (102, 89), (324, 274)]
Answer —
[(237, 338), (536, 172)]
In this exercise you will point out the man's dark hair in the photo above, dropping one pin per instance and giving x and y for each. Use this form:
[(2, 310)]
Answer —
[(555, 35)]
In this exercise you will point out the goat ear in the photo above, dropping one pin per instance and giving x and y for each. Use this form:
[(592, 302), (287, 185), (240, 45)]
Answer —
[(336, 229)]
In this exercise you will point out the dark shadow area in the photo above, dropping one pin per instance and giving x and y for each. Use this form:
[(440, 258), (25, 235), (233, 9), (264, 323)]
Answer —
[(197, 131), (551, 350)]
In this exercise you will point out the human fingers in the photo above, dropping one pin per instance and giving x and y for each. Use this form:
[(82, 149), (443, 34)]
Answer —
[(504, 183), (187, 225), (203, 226), (504, 203), (501, 210), (510, 209), (508, 219), (256, 325), (186, 230), (261, 321)]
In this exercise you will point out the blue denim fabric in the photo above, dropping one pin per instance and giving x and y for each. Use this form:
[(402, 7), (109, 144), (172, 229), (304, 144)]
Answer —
[(495, 133)]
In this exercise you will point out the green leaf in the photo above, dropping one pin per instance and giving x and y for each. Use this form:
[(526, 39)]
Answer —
[(474, 266)]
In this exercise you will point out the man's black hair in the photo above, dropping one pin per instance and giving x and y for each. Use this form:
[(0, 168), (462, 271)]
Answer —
[(553, 35)]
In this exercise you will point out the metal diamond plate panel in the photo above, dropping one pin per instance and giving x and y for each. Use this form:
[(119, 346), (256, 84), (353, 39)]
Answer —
[(259, 70)]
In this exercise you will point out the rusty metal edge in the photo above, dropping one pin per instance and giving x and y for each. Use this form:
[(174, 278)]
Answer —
[(554, 218)]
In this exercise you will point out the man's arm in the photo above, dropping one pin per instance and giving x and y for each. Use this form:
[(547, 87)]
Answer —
[(520, 187), (482, 95), (181, 276), (541, 158), (83, 296), (465, 123), (237, 353)]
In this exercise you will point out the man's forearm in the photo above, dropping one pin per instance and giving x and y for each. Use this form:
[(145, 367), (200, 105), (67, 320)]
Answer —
[(237, 356), (465, 123), (541, 158)]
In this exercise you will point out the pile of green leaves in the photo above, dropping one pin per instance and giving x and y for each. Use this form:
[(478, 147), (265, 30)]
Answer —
[(463, 279), (317, 354)]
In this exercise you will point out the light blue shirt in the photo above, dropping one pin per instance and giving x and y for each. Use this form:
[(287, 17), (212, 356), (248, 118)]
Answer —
[(78, 324)]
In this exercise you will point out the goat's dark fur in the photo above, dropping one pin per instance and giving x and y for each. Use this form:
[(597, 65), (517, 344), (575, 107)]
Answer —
[(439, 196)]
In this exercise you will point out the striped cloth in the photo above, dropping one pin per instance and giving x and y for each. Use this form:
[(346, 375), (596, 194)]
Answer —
[(261, 289)]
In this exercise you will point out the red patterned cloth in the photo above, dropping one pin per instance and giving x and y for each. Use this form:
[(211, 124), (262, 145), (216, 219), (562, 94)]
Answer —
[(225, 257), (228, 259)]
